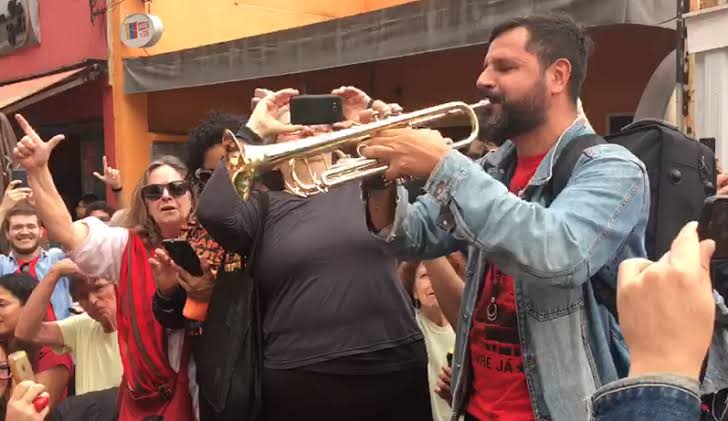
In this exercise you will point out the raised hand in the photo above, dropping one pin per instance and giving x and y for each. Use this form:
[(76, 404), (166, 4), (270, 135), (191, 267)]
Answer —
[(265, 119), (111, 176), (66, 267), (31, 151), (354, 101), (165, 274), (360, 107), (29, 402), (14, 195), (169, 275), (666, 308)]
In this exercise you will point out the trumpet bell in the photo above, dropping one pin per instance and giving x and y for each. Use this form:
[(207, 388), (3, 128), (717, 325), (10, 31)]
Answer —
[(243, 162), (240, 167)]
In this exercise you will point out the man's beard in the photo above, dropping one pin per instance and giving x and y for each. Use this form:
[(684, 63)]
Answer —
[(24, 250), (515, 118)]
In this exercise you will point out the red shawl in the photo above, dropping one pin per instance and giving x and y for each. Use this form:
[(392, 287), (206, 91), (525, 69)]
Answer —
[(149, 386)]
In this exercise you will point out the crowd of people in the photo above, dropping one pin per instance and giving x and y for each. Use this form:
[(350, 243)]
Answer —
[(471, 295)]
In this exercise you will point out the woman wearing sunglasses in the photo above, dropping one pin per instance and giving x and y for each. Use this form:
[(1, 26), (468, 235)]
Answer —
[(156, 363)]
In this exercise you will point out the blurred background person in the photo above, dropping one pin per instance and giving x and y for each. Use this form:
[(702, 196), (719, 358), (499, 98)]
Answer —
[(204, 148), (100, 210), (439, 335), (90, 337)]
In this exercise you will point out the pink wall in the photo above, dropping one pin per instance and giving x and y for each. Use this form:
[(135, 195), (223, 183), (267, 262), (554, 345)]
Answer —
[(67, 37)]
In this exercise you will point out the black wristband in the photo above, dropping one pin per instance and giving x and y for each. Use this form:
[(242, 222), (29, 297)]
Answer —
[(371, 102), (117, 190), (249, 136)]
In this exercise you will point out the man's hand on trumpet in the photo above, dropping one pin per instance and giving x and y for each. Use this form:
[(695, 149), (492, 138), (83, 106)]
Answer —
[(409, 152)]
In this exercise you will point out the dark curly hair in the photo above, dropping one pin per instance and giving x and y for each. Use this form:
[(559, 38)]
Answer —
[(207, 134)]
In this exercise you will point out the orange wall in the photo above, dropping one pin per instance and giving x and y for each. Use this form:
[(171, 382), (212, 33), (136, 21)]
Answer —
[(192, 23)]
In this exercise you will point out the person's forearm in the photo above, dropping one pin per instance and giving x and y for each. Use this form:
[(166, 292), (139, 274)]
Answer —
[(120, 199), (56, 381), (31, 317), (381, 205), (448, 287), (3, 212), (52, 211)]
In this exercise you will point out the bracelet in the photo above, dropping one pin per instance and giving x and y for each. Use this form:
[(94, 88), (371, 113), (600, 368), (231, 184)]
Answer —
[(371, 102), (249, 135), (117, 190)]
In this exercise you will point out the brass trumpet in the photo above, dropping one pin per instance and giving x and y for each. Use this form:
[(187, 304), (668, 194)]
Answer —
[(244, 161)]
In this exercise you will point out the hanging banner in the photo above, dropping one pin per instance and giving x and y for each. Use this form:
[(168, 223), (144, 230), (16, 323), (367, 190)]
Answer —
[(19, 25)]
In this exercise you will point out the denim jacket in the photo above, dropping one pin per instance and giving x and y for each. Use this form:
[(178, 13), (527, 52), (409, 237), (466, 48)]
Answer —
[(663, 397), (571, 345), (61, 297)]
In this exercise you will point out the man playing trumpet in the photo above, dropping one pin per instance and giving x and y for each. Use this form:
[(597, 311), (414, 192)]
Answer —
[(533, 340)]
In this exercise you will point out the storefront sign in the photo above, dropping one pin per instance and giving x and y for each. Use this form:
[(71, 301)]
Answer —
[(141, 30), (19, 25)]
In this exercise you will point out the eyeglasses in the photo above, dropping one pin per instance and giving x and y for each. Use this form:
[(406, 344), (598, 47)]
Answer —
[(99, 283), (203, 175), (4, 371), (154, 192)]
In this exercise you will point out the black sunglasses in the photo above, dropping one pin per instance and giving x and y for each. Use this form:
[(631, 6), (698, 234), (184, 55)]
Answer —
[(155, 191), (203, 175)]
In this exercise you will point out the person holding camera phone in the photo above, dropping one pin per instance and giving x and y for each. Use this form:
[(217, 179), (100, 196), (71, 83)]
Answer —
[(156, 363), (340, 340), (534, 338), (14, 194), (24, 401)]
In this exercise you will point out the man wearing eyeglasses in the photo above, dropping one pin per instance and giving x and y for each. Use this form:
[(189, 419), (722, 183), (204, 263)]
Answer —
[(91, 337), (23, 230)]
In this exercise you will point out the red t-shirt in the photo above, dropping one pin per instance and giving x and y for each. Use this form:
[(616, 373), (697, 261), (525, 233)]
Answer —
[(30, 270), (46, 359), (500, 392)]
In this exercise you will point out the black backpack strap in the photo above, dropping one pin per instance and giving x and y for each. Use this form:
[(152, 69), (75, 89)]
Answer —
[(567, 161), (562, 170)]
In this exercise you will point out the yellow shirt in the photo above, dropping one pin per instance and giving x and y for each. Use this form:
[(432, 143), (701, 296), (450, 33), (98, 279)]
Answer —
[(96, 353), (439, 340)]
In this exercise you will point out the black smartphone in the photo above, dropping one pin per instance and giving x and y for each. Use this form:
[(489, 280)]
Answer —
[(709, 142), (184, 255), (713, 224), (22, 175), (316, 109)]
